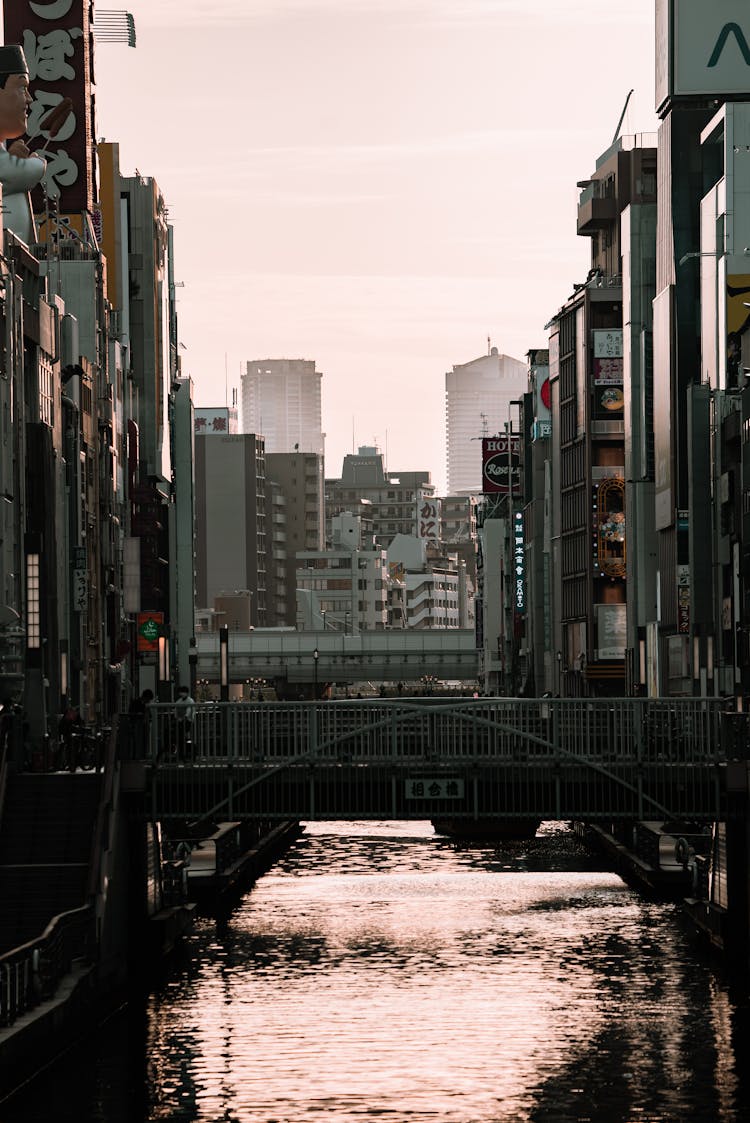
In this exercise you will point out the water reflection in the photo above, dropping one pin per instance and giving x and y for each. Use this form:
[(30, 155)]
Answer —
[(379, 972)]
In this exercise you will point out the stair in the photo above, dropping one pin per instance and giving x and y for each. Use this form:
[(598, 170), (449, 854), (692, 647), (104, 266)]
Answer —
[(45, 847)]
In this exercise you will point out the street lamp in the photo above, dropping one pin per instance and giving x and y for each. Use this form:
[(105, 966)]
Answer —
[(316, 655), (224, 662)]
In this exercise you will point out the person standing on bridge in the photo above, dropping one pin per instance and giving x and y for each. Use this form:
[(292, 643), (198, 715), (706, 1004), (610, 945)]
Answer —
[(184, 712)]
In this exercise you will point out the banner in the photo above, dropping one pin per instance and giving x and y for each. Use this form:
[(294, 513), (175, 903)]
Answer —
[(57, 40)]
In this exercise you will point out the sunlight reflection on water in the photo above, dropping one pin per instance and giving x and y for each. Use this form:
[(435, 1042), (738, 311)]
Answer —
[(379, 971)]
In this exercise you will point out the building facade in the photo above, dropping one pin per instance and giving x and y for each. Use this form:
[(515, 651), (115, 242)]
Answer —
[(281, 398), (477, 403)]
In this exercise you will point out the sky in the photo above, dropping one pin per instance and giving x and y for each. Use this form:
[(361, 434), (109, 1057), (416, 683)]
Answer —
[(378, 185)]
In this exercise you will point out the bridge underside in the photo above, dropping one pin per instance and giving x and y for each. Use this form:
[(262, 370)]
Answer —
[(412, 790)]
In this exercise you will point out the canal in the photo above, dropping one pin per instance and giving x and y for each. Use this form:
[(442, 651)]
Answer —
[(380, 972)]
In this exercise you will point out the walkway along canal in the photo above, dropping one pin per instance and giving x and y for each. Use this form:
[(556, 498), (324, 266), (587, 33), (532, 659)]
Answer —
[(379, 970)]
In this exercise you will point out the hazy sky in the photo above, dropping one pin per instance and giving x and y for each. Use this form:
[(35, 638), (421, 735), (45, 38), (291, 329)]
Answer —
[(378, 185)]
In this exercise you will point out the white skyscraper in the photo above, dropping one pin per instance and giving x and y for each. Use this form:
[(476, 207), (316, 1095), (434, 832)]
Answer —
[(477, 396), (281, 400)]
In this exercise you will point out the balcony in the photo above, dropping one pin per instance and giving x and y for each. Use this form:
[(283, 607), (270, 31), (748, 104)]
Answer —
[(595, 210)]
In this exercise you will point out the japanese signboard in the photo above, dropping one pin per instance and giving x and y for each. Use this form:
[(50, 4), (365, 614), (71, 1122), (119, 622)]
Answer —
[(519, 561), (428, 518), (428, 788), (500, 462), (56, 39), (221, 421), (608, 343)]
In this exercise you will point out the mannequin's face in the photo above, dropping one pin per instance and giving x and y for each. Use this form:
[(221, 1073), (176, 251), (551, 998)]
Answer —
[(15, 100)]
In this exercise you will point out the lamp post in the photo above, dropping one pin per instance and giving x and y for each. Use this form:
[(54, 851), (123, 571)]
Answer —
[(316, 655), (224, 663)]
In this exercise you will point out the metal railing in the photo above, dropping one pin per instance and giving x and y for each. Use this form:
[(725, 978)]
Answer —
[(31, 973), (629, 757)]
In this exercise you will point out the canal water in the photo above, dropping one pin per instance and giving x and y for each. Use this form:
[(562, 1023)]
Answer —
[(382, 973)]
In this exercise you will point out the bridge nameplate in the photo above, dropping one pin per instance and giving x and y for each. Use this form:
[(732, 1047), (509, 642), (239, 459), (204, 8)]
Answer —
[(427, 788)]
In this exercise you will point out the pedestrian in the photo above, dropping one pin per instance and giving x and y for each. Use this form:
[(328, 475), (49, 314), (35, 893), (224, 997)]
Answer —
[(184, 711), (69, 732)]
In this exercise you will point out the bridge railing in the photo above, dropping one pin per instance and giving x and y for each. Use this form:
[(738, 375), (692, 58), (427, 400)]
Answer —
[(607, 730)]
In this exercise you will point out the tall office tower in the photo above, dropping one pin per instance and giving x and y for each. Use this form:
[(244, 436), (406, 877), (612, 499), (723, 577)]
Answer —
[(477, 399), (281, 400)]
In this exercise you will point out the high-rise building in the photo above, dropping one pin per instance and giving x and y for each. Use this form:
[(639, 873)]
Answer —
[(281, 400), (298, 476), (477, 400), (230, 520)]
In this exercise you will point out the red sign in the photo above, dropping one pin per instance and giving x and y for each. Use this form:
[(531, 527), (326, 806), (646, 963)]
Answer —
[(149, 626), (56, 39), (500, 464)]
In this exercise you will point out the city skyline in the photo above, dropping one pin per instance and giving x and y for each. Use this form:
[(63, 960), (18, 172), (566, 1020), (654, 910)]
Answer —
[(384, 185)]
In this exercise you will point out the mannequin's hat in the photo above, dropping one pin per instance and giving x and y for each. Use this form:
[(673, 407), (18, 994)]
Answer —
[(13, 60)]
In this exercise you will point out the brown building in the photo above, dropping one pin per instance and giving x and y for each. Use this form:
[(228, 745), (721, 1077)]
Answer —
[(587, 374)]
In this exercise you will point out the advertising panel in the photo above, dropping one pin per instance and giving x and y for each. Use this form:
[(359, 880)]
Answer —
[(611, 631), (662, 382), (501, 463), (702, 48), (541, 425), (738, 321), (149, 626), (56, 39)]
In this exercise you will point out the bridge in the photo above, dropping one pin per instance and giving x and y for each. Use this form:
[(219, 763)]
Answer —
[(288, 655), (426, 758)]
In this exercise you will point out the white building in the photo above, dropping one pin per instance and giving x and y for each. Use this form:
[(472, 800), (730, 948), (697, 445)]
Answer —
[(477, 399), (281, 398), (343, 589), (438, 593)]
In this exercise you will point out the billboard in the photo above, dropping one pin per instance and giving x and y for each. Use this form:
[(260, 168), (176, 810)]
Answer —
[(56, 38), (702, 49), (738, 322), (219, 421), (501, 463)]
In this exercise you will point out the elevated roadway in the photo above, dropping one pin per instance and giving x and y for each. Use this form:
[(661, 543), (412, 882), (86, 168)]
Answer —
[(391, 656)]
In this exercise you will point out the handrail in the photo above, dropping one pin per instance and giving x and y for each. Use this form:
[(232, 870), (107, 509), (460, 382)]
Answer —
[(101, 836), (31, 973)]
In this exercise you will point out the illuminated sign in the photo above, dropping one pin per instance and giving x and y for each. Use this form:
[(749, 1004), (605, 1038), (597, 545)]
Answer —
[(519, 563)]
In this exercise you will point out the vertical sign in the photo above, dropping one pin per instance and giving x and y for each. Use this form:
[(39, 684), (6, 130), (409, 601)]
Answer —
[(428, 518), (519, 563), (57, 41)]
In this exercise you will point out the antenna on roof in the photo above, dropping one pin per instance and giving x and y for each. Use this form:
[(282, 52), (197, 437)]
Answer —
[(489, 346), (622, 117)]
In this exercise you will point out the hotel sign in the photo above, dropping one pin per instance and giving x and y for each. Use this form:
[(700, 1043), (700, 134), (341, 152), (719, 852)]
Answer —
[(702, 49), (501, 465)]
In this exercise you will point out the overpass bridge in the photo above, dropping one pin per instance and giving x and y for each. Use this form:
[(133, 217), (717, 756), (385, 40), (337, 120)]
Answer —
[(429, 758), (285, 655)]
